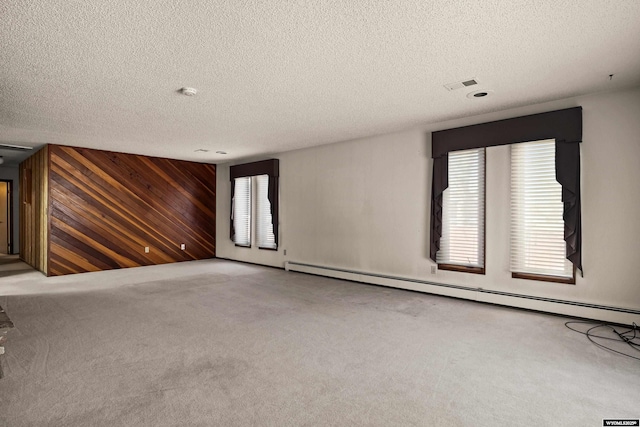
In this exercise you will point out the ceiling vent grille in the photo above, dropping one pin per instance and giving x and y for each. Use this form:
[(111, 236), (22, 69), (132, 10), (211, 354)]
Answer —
[(460, 85), (15, 147)]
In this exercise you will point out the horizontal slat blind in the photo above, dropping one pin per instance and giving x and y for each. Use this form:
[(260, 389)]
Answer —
[(462, 241), (264, 223), (242, 211), (537, 227)]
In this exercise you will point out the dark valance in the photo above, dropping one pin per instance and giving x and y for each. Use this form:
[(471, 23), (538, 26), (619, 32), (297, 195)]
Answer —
[(565, 126), (269, 167)]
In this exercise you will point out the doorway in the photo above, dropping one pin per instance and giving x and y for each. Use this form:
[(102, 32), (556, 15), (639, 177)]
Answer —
[(6, 217)]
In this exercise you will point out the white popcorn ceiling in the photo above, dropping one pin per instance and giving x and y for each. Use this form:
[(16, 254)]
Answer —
[(280, 75)]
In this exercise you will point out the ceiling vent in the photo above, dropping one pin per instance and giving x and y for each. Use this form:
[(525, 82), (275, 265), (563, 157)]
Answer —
[(15, 147), (460, 85)]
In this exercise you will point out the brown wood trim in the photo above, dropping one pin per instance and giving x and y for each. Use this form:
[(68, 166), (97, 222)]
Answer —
[(545, 278), (10, 217), (461, 268)]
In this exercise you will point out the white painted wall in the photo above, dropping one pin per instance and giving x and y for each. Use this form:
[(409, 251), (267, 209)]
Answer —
[(11, 172), (364, 205)]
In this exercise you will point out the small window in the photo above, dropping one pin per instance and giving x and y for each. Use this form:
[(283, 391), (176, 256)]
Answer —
[(538, 249), (264, 221), (241, 211), (254, 204), (462, 242)]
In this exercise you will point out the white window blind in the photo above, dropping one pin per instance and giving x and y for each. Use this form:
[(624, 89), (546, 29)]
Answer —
[(462, 241), (242, 211), (264, 223), (537, 227)]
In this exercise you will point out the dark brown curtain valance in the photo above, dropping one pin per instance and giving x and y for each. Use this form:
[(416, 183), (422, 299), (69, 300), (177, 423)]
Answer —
[(565, 126), (269, 167), (561, 125)]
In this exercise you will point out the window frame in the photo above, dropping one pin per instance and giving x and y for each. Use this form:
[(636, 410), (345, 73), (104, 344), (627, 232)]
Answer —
[(523, 274), (256, 197), (250, 210), (466, 268), (546, 278)]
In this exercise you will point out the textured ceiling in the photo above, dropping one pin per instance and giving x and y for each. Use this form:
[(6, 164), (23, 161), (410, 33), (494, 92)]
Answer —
[(280, 75)]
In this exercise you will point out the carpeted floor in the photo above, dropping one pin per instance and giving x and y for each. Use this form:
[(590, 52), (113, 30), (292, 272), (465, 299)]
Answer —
[(221, 343)]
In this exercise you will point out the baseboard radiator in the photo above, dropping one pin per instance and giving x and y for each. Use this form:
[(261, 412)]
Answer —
[(604, 313)]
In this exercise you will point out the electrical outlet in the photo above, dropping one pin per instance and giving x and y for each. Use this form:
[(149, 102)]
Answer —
[(285, 252), (183, 246), (434, 269), (146, 249)]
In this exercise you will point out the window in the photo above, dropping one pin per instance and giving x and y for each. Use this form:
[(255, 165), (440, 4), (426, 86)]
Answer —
[(241, 211), (264, 222), (545, 213), (254, 203), (538, 248), (462, 241)]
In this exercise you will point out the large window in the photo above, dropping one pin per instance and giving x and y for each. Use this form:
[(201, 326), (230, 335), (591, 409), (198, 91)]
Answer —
[(254, 204), (546, 215), (462, 242), (537, 227)]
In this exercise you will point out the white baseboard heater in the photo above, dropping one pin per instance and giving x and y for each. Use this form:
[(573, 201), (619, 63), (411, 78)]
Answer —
[(604, 313)]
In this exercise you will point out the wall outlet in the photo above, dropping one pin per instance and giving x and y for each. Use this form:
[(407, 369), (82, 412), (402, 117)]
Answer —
[(146, 249), (183, 246), (434, 269), (285, 252)]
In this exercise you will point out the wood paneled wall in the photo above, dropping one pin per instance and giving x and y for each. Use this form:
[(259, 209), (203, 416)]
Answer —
[(34, 185), (105, 208), (87, 210)]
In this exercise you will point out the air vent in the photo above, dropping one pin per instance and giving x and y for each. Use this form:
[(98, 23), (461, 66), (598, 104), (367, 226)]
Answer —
[(460, 85), (15, 147)]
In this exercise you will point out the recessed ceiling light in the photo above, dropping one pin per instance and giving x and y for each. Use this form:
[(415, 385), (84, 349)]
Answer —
[(188, 91), (201, 150), (479, 94), (221, 152)]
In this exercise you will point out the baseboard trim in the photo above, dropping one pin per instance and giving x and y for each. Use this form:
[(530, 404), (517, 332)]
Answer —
[(626, 316)]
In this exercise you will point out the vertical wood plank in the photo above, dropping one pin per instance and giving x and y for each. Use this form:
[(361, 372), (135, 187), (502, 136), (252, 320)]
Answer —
[(33, 220)]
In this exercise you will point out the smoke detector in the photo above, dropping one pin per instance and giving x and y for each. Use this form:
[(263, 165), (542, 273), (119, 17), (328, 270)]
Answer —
[(460, 85), (188, 91)]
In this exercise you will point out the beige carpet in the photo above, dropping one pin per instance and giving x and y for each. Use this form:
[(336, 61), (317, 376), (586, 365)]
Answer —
[(222, 343)]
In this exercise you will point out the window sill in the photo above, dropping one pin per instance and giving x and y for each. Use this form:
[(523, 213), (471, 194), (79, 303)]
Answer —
[(461, 268), (268, 249), (243, 246), (544, 278)]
